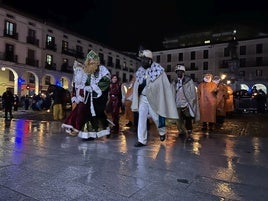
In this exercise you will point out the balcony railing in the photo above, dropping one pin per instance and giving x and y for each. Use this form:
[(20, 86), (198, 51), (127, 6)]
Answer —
[(73, 53), (51, 46), (66, 68), (32, 62), (11, 57), (50, 66), (13, 35), (32, 40)]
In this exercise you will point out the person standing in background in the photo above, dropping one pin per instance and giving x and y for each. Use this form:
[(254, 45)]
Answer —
[(186, 101), (207, 101), (26, 102), (16, 102), (229, 105), (8, 100), (221, 96)]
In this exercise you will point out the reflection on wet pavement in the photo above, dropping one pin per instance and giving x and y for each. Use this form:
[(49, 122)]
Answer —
[(39, 161)]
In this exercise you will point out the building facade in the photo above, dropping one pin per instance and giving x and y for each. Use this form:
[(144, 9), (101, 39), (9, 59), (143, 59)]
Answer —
[(244, 62), (34, 54)]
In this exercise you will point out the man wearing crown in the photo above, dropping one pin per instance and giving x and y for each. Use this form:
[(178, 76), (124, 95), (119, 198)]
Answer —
[(96, 96)]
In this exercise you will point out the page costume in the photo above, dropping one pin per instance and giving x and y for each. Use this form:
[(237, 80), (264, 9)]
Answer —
[(77, 118)]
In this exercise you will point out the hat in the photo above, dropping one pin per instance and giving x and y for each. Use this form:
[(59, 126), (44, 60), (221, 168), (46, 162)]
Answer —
[(93, 56), (146, 53), (180, 67)]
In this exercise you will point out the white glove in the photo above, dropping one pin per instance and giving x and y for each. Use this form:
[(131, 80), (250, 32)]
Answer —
[(73, 99), (80, 99), (88, 88), (97, 89)]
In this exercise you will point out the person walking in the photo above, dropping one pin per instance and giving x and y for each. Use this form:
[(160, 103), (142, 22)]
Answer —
[(151, 97), (8, 100), (96, 97), (114, 104), (207, 101), (186, 102)]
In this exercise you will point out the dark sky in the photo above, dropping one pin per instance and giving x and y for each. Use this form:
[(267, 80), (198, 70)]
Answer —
[(128, 24)]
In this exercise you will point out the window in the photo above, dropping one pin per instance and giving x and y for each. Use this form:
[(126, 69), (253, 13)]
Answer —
[(79, 48), (259, 48), (192, 55), (110, 61), (192, 66), (205, 54), (31, 54), (169, 68), (31, 78), (65, 45), (226, 52), (49, 59), (50, 40), (47, 80), (102, 62), (259, 73), (10, 28), (117, 64), (31, 33), (169, 58), (259, 61), (9, 53), (242, 62), (243, 50), (65, 65), (158, 58), (205, 65), (180, 56)]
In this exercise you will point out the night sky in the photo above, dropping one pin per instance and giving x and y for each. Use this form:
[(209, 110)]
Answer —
[(126, 24)]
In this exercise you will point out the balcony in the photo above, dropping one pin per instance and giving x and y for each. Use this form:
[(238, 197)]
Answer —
[(32, 40), (51, 46), (73, 53), (66, 68), (11, 57), (10, 34), (50, 66), (110, 64), (32, 62)]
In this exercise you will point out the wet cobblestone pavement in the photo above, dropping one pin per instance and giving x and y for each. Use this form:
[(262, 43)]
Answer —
[(38, 161)]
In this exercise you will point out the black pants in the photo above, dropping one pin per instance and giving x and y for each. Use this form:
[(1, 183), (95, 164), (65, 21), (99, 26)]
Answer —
[(8, 109)]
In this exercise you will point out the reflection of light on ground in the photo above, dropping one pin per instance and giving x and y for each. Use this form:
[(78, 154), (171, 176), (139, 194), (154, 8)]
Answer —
[(224, 188), (229, 152), (256, 146), (196, 147), (123, 144)]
